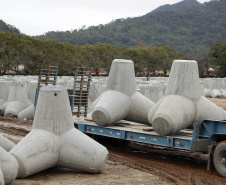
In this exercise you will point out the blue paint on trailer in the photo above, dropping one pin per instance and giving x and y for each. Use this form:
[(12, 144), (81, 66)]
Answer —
[(197, 141)]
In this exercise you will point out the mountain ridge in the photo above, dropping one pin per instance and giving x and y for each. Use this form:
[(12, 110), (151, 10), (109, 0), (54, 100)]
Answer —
[(177, 6), (8, 28)]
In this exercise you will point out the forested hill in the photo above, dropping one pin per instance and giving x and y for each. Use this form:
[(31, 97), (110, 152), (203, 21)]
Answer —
[(189, 30), (177, 6), (8, 28)]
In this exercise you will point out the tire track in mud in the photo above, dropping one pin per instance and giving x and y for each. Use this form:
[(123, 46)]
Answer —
[(14, 129), (181, 171)]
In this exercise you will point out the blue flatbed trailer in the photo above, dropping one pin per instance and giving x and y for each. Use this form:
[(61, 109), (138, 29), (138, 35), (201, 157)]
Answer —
[(208, 137)]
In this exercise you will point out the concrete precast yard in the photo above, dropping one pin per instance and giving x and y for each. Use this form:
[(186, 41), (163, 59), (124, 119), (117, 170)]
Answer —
[(133, 164)]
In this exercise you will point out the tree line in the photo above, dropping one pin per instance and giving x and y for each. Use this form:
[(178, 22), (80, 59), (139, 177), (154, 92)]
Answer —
[(16, 49)]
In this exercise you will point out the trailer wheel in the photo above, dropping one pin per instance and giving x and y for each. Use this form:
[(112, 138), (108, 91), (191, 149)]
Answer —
[(219, 158)]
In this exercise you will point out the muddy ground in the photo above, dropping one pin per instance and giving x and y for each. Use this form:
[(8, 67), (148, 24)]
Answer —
[(131, 164)]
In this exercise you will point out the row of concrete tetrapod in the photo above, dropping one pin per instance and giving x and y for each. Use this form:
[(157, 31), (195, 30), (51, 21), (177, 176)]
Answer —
[(182, 104), (52, 141), (154, 89), (215, 87), (17, 96)]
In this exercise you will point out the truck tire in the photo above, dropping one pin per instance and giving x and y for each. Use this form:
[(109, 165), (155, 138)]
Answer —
[(219, 158)]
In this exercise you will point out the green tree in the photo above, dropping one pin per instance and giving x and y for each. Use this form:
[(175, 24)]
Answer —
[(218, 54)]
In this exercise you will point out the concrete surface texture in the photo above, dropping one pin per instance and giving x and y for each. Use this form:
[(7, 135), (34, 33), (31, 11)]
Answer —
[(184, 80), (118, 109), (6, 144), (4, 89), (2, 101), (215, 91), (122, 77), (153, 90), (222, 84), (223, 95), (183, 103), (173, 114), (208, 110), (120, 100), (206, 82), (139, 107), (69, 84), (8, 165), (207, 92), (2, 182), (53, 139), (97, 87), (27, 113), (31, 90), (61, 82)]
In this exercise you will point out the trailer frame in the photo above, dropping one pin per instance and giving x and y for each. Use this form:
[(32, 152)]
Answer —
[(204, 137)]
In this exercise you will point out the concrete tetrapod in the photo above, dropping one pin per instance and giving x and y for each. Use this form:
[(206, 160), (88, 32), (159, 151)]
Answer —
[(8, 165), (121, 100), (53, 139), (6, 144), (183, 103), (17, 100), (172, 116)]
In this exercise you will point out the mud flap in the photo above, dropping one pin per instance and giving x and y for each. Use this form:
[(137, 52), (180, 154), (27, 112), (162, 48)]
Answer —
[(210, 166)]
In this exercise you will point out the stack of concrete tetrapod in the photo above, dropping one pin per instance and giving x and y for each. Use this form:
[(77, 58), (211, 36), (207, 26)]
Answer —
[(53, 139), (121, 100), (17, 100), (183, 103)]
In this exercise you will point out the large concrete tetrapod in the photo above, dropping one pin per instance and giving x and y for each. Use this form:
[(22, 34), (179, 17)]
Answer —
[(183, 103), (53, 139), (121, 100), (8, 165)]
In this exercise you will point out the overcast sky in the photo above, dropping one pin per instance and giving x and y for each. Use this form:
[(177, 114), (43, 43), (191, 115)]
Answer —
[(35, 17)]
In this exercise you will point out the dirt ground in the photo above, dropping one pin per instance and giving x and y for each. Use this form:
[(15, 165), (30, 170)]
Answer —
[(132, 164), (219, 102)]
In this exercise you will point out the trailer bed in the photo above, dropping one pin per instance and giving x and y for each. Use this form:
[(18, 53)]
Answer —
[(137, 132)]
